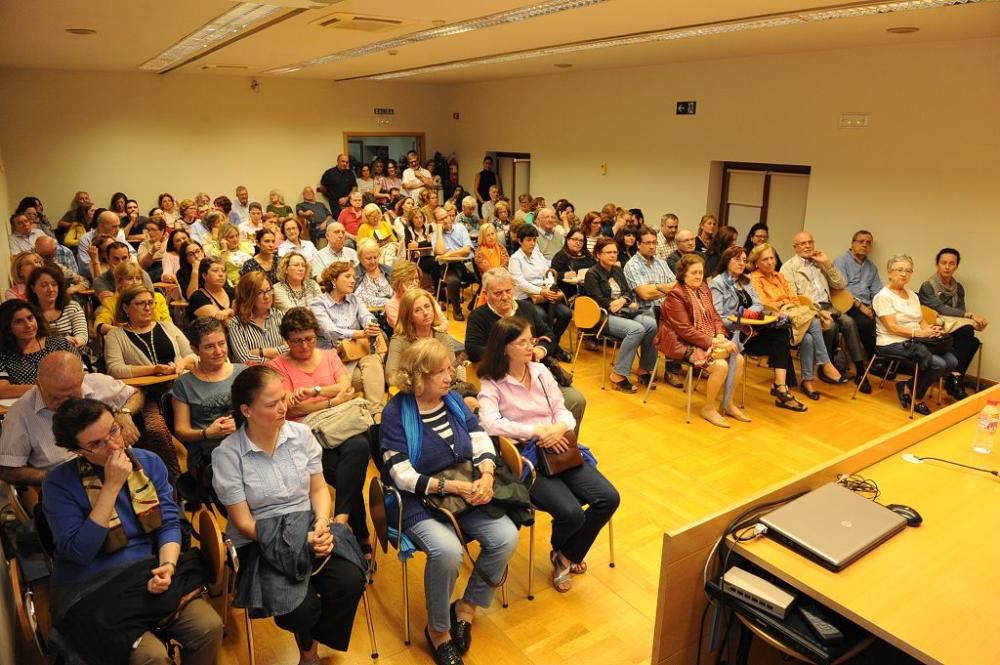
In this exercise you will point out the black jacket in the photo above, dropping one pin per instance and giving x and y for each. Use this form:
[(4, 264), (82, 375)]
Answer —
[(597, 284), (481, 321)]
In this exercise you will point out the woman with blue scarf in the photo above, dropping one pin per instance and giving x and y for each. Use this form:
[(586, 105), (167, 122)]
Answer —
[(427, 430), (520, 399)]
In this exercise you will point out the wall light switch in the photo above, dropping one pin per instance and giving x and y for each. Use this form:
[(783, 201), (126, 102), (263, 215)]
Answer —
[(604, 169)]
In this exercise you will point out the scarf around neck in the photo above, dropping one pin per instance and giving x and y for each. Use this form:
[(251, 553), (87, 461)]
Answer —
[(142, 492), (949, 294)]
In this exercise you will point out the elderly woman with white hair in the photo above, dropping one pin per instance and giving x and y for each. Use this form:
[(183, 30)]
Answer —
[(373, 287), (469, 217), (900, 331)]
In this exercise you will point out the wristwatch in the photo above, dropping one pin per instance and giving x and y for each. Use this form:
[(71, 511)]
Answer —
[(127, 411), (316, 390)]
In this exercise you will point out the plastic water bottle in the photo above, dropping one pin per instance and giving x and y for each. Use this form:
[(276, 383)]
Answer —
[(986, 428)]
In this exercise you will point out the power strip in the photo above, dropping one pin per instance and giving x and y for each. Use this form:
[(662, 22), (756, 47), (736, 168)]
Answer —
[(758, 592)]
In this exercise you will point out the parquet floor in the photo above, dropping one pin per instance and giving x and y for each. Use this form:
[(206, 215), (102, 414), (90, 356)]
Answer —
[(668, 473)]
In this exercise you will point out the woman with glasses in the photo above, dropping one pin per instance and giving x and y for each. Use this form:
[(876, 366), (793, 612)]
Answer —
[(900, 330), (253, 331), (126, 276), (118, 572), (346, 324), (294, 242), (188, 274), (143, 346), (519, 399), (215, 297), (571, 260), (759, 235), (315, 379), (24, 341), (428, 430), (266, 259), (606, 284), (295, 286)]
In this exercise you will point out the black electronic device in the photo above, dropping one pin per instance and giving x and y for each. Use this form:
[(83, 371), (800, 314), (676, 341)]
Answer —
[(816, 619), (912, 517)]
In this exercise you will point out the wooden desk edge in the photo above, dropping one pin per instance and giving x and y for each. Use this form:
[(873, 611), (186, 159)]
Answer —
[(681, 597)]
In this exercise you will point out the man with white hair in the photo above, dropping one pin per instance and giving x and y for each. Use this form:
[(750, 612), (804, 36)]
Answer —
[(108, 223), (686, 244), (336, 237), (313, 213), (27, 445), (811, 273), (498, 288), (551, 236)]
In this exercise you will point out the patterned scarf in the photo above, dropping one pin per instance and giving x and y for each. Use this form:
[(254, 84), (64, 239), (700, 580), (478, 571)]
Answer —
[(700, 305), (145, 501)]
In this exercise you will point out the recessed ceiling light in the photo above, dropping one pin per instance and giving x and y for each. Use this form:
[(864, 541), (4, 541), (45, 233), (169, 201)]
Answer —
[(562, 65), (81, 31), (393, 52), (904, 30)]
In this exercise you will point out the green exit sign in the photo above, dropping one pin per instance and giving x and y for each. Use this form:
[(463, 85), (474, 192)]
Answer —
[(686, 108), (384, 111)]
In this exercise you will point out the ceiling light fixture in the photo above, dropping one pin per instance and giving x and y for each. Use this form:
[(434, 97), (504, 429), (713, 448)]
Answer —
[(442, 30), (562, 65), (902, 30), (687, 32), (81, 31), (218, 30)]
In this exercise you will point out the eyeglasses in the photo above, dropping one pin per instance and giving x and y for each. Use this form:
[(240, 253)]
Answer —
[(303, 341), (524, 343), (905, 271), (575, 239), (265, 292), (143, 303), (99, 445)]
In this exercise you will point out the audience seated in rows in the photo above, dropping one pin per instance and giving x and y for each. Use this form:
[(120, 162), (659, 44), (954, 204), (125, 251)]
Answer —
[(295, 286), (372, 286), (48, 292), (126, 276), (534, 280)]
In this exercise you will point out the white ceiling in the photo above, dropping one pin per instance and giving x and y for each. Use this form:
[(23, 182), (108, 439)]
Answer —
[(32, 35)]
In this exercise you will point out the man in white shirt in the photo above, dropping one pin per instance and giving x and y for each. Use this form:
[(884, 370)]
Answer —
[(416, 178), (240, 214), (490, 207), (108, 224), (27, 445), (336, 236), (22, 234)]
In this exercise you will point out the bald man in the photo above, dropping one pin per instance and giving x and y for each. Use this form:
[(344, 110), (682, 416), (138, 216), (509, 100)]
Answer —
[(51, 251), (335, 250), (686, 244), (811, 273), (27, 446), (107, 223), (337, 183)]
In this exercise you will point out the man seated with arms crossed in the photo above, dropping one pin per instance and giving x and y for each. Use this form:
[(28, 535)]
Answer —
[(453, 244), (651, 279), (498, 285), (551, 237), (811, 273), (863, 282), (686, 244), (335, 250), (27, 445)]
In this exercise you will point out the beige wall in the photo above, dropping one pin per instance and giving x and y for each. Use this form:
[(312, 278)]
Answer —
[(922, 176), (6, 209), (142, 134)]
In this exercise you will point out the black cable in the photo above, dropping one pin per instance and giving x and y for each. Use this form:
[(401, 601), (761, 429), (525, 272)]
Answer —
[(864, 486), (701, 631), (967, 466)]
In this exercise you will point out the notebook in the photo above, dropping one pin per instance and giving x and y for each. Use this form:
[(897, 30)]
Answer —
[(832, 525)]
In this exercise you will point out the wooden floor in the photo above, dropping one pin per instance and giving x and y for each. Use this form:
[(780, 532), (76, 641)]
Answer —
[(668, 473)]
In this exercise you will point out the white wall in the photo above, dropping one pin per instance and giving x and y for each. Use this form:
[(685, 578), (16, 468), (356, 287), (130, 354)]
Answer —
[(146, 134), (924, 174)]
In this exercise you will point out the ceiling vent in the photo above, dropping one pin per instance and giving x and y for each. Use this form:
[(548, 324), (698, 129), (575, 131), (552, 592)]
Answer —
[(226, 68), (360, 22)]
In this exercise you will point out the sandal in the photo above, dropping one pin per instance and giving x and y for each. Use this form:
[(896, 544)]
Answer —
[(785, 399), (624, 385), (578, 568), (561, 579)]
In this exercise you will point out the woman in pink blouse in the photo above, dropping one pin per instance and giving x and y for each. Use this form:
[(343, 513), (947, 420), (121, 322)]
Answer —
[(315, 379), (519, 399)]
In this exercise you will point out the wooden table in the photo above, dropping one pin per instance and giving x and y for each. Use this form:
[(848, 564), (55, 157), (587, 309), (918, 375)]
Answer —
[(140, 381), (933, 591)]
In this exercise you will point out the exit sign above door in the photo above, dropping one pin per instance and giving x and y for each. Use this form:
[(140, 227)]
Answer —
[(686, 108)]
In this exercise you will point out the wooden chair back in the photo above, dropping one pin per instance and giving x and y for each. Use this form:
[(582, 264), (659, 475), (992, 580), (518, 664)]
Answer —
[(210, 543), (511, 456), (930, 316), (842, 299), (376, 508), (805, 300), (586, 313)]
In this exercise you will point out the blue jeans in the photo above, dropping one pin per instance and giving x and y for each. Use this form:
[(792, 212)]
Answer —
[(812, 350), (573, 528), (498, 540), (636, 335)]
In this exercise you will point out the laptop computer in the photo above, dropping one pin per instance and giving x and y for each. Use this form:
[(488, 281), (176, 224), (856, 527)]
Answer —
[(832, 525)]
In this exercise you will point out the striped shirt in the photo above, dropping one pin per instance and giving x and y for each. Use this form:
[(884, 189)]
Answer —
[(437, 421), (248, 340), (640, 273)]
